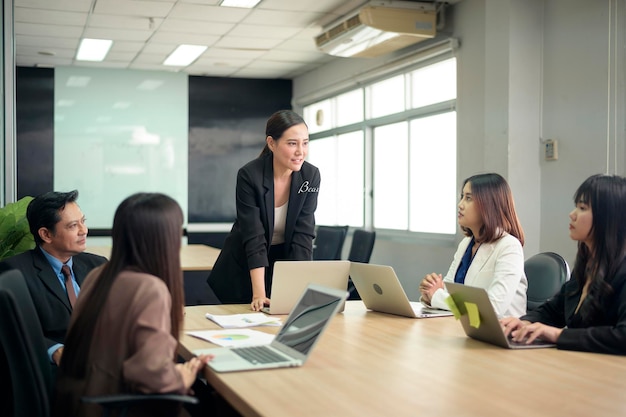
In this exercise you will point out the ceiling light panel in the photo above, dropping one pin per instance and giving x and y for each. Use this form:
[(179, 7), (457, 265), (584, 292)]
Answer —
[(93, 49), (184, 55), (244, 4)]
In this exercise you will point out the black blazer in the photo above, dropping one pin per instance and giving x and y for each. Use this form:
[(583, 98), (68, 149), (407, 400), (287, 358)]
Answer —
[(606, 333), (247, 245), (50, 299)]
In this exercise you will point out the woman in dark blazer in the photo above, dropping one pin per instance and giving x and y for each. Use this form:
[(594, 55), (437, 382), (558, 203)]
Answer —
[(589, 312), (276, 198)]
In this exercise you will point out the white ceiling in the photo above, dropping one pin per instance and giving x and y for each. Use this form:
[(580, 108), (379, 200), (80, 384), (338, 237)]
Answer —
[(273, 40)]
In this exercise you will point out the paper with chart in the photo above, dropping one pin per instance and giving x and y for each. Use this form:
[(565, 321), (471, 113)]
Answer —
[(234, 337), (236, 321)]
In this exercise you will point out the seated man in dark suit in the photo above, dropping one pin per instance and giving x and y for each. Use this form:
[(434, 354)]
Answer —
[(59, 229)]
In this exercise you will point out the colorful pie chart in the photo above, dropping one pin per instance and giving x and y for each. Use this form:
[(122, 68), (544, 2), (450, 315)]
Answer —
[(231, 336)]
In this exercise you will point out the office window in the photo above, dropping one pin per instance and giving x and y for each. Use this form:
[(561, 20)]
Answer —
[(340, 161), (433, 174), (397, 170), (387, 97), (391, 179), (324, 156), (350, 108), (433, 84)]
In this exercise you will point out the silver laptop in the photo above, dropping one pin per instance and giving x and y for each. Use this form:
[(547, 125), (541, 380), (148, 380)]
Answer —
[(294, 342), (489, 329), (381, 290), (290, 278)]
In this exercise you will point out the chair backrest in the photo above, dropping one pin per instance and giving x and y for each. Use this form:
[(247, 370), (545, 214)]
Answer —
[(546, 273), (329, 242), (362, 246), (23, 347)]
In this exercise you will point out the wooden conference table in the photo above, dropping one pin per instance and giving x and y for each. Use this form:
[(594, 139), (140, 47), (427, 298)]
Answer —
[(193, 257), (372, 364)]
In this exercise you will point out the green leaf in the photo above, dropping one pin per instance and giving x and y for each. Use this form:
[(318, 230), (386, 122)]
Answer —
[(15, 236)]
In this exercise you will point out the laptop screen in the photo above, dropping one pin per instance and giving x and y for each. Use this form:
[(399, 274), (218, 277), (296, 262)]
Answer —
[(307, 320)]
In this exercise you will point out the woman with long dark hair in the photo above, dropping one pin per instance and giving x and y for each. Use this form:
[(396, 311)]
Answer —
[(491, 254), (276, 201), (125, 327), (589, 312)]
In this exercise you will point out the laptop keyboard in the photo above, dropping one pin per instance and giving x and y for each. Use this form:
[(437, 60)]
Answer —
[(259, 354), (536, 342)]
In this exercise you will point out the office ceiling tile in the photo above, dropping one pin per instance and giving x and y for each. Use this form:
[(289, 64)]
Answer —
[(282, 18), (58, 31), (50, 17), (196, 26), (145, 8), (264, 31), (184, 38), (63, 5), (117, 34), (273, 40), (109, 21), (243, 54), (250, 43), (59, 52), (123, 46), (208, 13), (44, 42)]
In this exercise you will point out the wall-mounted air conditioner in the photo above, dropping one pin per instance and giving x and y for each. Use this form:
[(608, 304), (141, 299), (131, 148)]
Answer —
[(379, 27)]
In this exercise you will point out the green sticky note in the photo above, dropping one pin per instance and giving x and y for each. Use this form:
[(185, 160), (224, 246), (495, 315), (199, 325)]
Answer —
[(472, 312), (453, 308)]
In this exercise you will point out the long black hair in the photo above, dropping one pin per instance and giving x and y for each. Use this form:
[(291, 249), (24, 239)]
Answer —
[(606, 195), (278, 123), (147, 233)]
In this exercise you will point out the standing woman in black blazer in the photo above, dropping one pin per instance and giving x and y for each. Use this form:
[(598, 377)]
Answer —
[(276, 198)]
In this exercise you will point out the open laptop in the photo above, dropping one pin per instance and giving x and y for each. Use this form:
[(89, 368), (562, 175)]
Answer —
[(381, 290), (290, 278), (294, 342), (489, 330)]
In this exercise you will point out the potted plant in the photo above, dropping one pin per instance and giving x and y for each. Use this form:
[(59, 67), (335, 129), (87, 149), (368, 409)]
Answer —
[(15, 236)]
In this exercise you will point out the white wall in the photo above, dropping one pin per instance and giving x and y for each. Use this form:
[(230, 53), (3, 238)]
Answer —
[(575, 108), (527, 70)]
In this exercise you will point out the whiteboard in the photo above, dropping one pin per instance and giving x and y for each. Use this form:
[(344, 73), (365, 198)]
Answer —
[(118, 132)]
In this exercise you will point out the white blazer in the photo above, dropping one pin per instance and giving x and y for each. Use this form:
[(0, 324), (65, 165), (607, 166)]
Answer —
[(497, 267)]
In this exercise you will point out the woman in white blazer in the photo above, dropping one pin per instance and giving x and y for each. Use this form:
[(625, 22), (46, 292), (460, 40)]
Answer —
[(491, 254)]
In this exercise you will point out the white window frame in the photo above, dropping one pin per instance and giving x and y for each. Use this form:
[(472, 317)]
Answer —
[(368, 125)]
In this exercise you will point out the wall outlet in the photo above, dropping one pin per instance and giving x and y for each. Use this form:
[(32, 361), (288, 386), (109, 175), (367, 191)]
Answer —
[(551, 151)]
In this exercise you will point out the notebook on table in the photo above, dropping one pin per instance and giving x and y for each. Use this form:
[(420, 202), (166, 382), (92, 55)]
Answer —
[(294, 342), (381, 290), (290, 278), (484, 326)]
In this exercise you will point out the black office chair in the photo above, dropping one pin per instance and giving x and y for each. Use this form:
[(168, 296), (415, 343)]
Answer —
[(360, 251), (328, 242), (28, 389), (28, 372), (362, 246), (546, 273)]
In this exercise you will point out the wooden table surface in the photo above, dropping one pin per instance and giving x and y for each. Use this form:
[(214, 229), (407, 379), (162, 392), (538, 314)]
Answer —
[(373, 364), (193, 257)]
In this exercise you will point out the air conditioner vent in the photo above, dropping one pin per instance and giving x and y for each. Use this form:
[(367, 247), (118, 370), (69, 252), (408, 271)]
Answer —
[(353, 22), (378, 28)]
